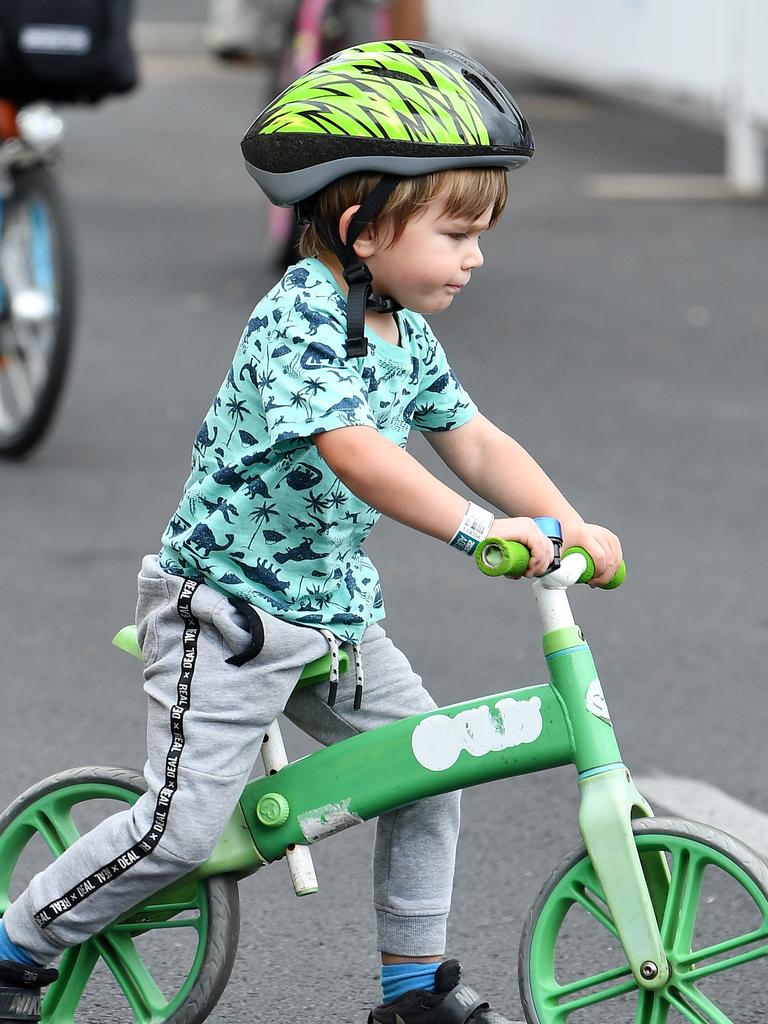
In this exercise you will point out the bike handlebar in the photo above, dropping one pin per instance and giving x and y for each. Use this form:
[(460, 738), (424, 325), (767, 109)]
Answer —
[(495, 557)]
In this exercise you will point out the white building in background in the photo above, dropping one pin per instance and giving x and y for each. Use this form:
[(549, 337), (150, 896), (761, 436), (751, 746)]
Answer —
[(706, 56)]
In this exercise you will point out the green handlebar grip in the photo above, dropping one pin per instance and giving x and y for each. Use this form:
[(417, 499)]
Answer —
[(502, 557), (589, 572), (495, 557)]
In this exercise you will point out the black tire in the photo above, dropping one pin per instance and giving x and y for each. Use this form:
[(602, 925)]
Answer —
[(194, 997), (551, 977), (22, 428)]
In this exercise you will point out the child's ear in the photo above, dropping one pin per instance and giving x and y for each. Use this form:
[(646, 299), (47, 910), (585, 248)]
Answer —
[(365, 243)]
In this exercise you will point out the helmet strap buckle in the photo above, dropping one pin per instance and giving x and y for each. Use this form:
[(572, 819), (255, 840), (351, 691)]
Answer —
[(357, 272), (356, 347), (383, 303), (360, 298), (359, 283)]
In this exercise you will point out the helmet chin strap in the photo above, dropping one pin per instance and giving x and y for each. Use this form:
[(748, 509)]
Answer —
[(358, 277)]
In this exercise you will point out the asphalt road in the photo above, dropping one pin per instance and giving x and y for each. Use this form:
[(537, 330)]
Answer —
[(622, 341)]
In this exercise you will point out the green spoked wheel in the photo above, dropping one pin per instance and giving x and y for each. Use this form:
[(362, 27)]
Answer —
[(167, 960), (713, 917)]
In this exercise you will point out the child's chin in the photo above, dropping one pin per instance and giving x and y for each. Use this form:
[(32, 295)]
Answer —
[(435, 304), (439, 302)]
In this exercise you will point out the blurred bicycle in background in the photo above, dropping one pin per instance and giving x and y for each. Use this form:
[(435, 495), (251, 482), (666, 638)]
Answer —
[(60, 53), (317, 29), (38, 281), (292, 36)]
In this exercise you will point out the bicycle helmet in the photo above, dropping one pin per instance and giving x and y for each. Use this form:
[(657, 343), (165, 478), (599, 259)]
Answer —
[(395, 107)]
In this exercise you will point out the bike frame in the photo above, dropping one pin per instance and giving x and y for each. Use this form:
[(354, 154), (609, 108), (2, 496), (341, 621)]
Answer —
[(565, 721)]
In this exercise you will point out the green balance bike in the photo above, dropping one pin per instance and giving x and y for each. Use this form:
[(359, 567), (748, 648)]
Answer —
[(651, 921)]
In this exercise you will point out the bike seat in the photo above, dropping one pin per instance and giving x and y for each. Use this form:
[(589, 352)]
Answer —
[(317, 671)]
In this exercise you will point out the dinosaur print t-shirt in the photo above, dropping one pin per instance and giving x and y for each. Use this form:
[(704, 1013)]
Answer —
[(262, 517)]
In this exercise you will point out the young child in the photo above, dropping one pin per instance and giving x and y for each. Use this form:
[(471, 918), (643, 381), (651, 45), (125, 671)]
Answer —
[(396, 154)]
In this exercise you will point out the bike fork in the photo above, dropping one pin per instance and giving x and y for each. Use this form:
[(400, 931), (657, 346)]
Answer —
[(609, 802), (609, 798)]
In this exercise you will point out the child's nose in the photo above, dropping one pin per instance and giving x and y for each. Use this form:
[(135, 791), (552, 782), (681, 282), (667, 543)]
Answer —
[(473, 257)]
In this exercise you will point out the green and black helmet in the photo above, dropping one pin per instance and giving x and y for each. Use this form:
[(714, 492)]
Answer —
[(401, 108), (398, 108)]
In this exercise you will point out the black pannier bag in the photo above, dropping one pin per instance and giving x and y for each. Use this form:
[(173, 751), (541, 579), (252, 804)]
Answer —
[(66, 51)]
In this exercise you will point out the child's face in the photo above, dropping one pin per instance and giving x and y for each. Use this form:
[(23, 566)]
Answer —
[(431, 261)]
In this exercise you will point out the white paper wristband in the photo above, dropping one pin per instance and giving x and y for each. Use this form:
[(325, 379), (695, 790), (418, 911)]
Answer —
[(474, 527)]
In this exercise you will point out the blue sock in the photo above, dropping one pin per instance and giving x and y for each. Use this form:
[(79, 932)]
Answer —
[(10, 951), (397, 979)]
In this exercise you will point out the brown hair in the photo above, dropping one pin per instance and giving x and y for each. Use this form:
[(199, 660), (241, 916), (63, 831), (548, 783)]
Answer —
[(469, 193)]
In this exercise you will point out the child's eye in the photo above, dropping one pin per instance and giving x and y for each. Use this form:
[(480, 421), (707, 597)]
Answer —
[(458, 235)]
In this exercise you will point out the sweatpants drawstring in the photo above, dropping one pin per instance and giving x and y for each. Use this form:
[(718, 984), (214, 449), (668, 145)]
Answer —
[(333, 676), (357, 655)]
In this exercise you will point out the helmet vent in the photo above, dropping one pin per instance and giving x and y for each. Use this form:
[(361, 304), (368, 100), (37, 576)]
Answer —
[(389, 73), (482, 87)]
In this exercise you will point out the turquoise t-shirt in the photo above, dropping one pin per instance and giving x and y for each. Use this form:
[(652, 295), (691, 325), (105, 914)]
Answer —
[(262, 517)]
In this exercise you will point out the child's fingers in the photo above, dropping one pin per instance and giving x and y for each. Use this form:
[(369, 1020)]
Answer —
[(608, 560), (542, 552), (538, 565), (526, 532), (600, 558)]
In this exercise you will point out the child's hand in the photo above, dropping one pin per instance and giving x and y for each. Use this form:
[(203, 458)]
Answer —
[(525, 531), (602, 545)]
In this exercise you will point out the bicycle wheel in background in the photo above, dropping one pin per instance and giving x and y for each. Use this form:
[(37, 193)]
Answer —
[(37, 306), (167, 960), (714, 926)]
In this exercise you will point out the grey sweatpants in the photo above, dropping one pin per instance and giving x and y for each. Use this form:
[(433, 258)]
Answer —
[(206, 719)]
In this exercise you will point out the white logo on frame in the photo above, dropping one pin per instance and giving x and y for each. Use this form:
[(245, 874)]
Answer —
[(438, 740), (596, 702)]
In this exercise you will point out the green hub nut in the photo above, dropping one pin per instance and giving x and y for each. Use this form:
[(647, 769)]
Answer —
[(272, 810)]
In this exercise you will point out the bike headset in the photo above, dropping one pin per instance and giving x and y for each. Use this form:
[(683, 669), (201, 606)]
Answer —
[(395, 107)]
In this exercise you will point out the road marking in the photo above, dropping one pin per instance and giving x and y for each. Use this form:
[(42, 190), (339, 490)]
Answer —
[(699, 801), (162, 67), (656, 187), (541, 107), (168, 37)]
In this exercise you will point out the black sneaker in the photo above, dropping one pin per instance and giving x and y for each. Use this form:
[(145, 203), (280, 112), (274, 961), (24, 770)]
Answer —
[(450, 1003), (20, 986)]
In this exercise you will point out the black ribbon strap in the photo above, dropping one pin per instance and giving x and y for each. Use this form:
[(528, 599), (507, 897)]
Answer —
[(358, 278), (356, 273), (255, 628)]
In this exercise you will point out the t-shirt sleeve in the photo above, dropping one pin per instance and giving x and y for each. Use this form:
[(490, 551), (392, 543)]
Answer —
[(442, 403), (307, 386)]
